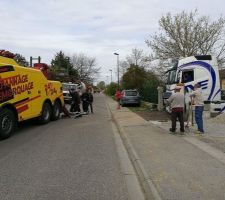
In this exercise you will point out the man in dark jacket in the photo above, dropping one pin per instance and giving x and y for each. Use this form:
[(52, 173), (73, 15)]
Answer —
[(91, 99), (75, 105), (85, 101)]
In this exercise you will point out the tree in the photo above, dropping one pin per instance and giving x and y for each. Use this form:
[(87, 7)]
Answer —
[(149, 92), (21, 60), (123, 66), (145, 81), (187, 34), (134, 78), (137, 57), (86, 67), (62, 63), (159, 68), (111, 89), (101, 85)]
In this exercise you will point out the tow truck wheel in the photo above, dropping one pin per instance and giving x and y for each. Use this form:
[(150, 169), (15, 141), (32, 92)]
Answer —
[(56, 111), (46, 114), (7, 123)]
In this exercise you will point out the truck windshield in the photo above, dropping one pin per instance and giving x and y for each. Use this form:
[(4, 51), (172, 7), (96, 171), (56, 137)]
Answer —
[(172, 75), (65, 87)]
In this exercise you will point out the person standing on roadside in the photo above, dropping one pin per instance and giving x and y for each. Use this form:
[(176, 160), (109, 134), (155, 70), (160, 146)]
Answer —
[(75, 105), (85, 101), (91, 99), (72, 105), (198, 102), (118, 96), (176, 102)]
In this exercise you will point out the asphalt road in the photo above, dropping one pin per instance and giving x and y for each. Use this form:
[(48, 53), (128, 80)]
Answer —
[(67, 159)]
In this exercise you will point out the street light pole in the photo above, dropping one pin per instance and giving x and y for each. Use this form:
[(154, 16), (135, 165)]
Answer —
[(111, 74), (107, 80), (118, 68)]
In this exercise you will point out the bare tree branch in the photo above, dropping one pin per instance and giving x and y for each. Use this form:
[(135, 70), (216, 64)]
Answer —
[(86, 67), (187, 34)]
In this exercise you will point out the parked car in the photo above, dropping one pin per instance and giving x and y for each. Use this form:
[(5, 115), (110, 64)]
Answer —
[(130, 97)]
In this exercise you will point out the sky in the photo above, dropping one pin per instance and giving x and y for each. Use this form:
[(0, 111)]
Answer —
[(97, 28)]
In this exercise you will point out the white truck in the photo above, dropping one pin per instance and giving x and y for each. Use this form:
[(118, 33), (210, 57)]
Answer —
[(201, 69)]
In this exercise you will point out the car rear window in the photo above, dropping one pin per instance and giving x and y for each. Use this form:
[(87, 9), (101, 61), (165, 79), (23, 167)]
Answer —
[(67, 87), (131, 93)]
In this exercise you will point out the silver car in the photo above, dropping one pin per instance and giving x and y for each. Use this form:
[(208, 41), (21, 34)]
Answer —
[(130, 97), (66, 87)]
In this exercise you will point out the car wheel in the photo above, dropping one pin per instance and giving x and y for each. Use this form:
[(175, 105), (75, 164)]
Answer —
[(7, 123), (45, 114), (56, 111)]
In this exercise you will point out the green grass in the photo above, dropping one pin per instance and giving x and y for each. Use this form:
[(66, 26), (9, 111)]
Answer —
[(144, 107)]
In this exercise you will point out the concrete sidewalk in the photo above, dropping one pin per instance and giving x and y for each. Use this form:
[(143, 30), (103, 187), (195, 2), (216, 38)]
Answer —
[(214, 131), (170, 166)]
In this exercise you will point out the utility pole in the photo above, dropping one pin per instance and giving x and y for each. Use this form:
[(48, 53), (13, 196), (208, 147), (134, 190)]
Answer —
[(111, 74), (118, 73)]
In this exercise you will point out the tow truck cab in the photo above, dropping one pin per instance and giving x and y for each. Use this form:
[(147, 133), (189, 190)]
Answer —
[(25, 93)]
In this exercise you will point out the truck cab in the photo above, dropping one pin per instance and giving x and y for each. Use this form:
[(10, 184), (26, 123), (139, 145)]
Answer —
[(26, 93), (195, 69)]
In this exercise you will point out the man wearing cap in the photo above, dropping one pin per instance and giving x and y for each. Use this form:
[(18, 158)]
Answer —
[(199, 106), (176, 102)]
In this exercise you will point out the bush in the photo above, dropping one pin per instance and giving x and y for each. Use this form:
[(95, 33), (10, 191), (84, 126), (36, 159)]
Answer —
[(111, 89), (146, 82), (149, 92)]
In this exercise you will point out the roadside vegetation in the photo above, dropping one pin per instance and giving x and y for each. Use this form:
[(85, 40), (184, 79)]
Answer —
[(140, 78), (181, 35), (145, 106)]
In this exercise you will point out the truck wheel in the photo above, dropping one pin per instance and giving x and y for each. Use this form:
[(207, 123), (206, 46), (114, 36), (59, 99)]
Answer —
[(46, 114), (56, 111), (7, 123)]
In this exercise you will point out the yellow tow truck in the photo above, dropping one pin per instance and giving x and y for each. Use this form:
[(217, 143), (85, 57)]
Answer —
[(26, 93)]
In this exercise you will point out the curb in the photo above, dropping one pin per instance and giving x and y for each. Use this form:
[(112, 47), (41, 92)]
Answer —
[(145, 181)]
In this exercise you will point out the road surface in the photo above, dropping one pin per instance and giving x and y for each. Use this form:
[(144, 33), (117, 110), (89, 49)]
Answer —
[(66, 159)]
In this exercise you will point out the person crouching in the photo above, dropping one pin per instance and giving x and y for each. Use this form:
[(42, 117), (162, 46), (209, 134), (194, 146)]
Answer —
[(176, 102)]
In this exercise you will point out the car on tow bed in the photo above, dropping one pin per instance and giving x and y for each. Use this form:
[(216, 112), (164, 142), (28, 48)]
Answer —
[(66, 87)]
